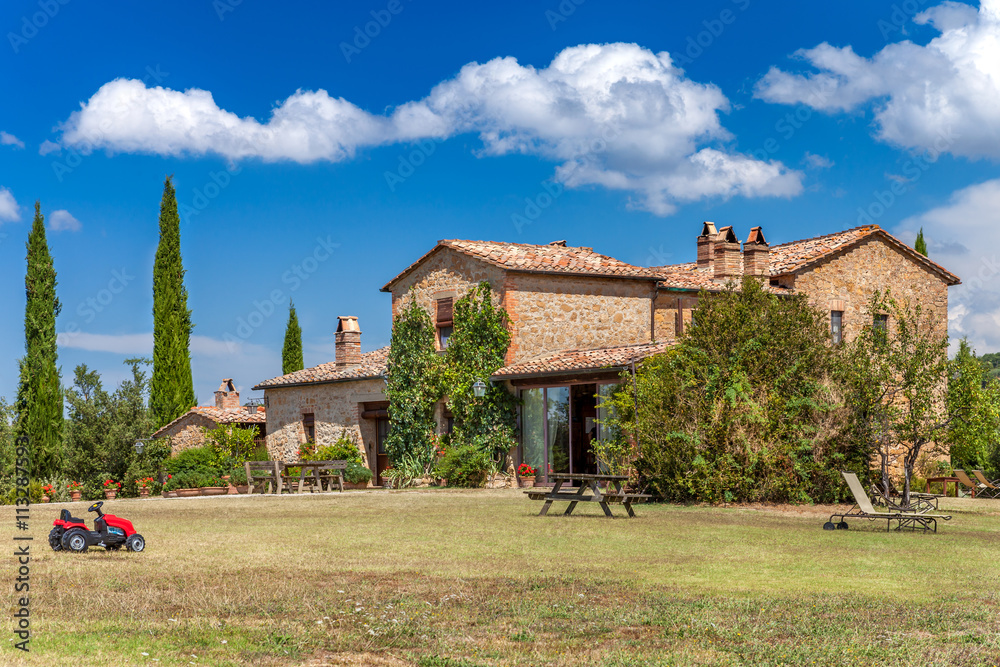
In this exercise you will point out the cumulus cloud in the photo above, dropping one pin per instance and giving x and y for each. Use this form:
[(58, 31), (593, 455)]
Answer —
[(62, 220), (817, 161), (613, 115), (964, 237), (49, 147), (7, 139), (9, 211), (941, 96)]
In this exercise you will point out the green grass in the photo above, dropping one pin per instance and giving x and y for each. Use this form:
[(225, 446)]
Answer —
[(445, 578)]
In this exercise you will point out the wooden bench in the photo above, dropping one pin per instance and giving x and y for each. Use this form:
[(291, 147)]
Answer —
[(330, 471), (314, 473), (259, 472), (588, 491)]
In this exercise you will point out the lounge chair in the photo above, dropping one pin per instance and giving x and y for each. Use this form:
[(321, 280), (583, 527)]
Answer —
[(975, 487), (863, 510), (991, 490), (919, 502)]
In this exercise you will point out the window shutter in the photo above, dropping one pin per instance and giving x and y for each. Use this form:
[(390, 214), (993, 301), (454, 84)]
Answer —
[(444, 312)]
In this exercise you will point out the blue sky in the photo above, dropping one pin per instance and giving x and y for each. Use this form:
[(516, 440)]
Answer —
[(314, 162)]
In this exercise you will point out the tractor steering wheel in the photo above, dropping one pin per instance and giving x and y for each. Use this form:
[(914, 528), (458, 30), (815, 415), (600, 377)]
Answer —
[(96, 507)]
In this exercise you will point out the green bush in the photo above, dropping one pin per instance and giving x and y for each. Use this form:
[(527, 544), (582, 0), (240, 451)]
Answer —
[(34, 493), (464, 466), (200, 460), (231, 444), (356, 472), (238, 477), (345, 449)]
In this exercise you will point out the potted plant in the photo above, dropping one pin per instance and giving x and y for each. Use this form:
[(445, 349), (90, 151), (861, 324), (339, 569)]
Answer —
[(238, 480), (526, 476), (168, 491), (143, 486), (212, 485), (47, 491), (111, 488), (356, 475), (185, 484), (74, 490)]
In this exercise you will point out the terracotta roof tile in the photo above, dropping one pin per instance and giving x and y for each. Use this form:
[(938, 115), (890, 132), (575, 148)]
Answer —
[(569, 260), (373, 364), (220, 416), (572, 361)]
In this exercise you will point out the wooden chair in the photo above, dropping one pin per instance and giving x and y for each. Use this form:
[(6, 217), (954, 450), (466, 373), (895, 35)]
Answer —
[(260, 471)]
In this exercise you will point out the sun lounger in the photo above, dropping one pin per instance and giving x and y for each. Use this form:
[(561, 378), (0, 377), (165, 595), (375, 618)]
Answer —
[(991, 490), (919, 502), (975, 487), (863, 510)]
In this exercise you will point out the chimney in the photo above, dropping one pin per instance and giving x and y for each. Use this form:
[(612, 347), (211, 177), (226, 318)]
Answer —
[(726, 255), (348, 337), (708, 234), (226, 395), (757, 255)]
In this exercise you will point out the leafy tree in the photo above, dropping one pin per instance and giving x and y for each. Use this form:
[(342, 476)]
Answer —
[(920, 245), (744, 408), (39, 393), (475, 351), (975, 396), (897, 385), (233, 445), (7, 435), (291, 354), (172, 389), (412, 386)]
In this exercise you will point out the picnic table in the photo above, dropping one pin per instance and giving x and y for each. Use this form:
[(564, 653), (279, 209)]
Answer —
[(943, 481), (589, 490), (319, 471)]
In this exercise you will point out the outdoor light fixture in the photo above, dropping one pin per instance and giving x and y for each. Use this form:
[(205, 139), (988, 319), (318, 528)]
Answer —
[(139, 446), (479, 388)]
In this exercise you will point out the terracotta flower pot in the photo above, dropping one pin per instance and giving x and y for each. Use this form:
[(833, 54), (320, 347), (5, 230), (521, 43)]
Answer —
[(110, 495), (355, 485), (144, 493), (526, 482), (187, 493), (74, 495), (242, 488), (171, 494), (214, 490), (45, 499)]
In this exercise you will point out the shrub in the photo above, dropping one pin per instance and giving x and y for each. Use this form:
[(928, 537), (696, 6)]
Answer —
[(464, 466), (231, 444), (195, 459), (344, 449), (238, 477), (356, 472)]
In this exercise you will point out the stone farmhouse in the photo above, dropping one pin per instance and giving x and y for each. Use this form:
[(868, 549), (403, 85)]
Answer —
[(577, 319), (186, 431)]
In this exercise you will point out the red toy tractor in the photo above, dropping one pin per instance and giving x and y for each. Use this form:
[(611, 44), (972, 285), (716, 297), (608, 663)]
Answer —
[(110, 532)]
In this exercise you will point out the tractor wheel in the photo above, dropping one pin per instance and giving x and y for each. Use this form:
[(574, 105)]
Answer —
[(76, 541), (842, 525), (135, 542), (829, 525), (55, 538)]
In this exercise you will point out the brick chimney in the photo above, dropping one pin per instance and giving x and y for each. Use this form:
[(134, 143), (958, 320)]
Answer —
[(726, 255), (348, 337), (757, 254), (705, 243), (226, 395)]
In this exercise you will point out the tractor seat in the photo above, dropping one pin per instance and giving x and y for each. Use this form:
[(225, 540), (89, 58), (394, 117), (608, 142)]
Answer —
[(64, 515)]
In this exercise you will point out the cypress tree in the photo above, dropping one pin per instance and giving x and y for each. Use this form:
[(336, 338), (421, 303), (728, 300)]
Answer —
[(920, 245), (39, 394), (291, 354), (171, 390)]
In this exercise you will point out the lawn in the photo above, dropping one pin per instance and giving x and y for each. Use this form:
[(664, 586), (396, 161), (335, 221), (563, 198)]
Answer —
[(444, 578)]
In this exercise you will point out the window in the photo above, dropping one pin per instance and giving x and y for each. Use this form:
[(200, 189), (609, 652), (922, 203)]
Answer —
[(837, 326), (445, 318), (881, 322), (309, 426)]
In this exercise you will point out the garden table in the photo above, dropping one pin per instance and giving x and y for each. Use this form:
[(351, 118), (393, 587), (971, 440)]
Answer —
[(944, 484), (314, 469), (588, 491)]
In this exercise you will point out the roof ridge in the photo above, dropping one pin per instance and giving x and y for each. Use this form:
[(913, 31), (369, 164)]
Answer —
[(872, 227)]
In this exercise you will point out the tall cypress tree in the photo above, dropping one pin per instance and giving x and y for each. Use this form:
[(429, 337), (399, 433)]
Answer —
[(291, 354), (171, 390), (920, 245), (39, 394)]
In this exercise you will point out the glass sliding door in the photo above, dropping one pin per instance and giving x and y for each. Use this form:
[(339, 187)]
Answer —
[(557, 428), (533, 430)]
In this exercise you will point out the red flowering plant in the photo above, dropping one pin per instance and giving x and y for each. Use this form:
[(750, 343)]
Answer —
[(74, 486), (48, 489), (144, 483), (524, 470), (111, 485)]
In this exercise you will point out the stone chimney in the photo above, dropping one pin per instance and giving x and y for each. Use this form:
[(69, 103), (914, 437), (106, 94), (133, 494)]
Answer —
[(226, 395), (348, 337), (757, 255), (705, 243), (726, 256)]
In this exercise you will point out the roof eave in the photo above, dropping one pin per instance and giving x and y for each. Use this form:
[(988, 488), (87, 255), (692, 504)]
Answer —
[(265, 387)]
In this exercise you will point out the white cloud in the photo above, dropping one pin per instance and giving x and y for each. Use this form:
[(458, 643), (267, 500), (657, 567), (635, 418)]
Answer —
[(964, 237), (62, 220), (944, 96), (9, 211), (49, 147), (7, 139), (817, 161), (614, 115)]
